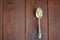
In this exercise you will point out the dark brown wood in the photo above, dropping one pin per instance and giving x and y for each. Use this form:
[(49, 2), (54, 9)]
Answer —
[(54, 19), (31, 20), (14, 20), (1, 6)]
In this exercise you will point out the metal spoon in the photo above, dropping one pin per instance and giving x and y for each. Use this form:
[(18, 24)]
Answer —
[(39, 14)]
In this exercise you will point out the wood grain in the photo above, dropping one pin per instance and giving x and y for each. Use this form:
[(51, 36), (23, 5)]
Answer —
[(14, 20), (32, 21), (54, 19), (1, 8)]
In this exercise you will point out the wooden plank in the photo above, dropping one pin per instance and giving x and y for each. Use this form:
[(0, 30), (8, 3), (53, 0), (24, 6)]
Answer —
[(14, 20), (32, 22), (1, 6), (54, 19)]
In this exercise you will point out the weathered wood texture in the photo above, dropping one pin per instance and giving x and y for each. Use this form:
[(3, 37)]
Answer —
[(54, 19), (14, 20), (32, 21), (1, 8)]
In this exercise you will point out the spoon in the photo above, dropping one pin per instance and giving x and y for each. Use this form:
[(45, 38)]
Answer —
[(39, 14)]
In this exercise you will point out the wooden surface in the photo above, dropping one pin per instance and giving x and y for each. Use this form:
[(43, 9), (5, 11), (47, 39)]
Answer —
[(54, 19), (14, 20), (16, 25), (32, 21), (1, 7), (18, 20)]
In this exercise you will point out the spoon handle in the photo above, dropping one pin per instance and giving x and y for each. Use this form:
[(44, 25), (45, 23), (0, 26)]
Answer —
[(39, 34)]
